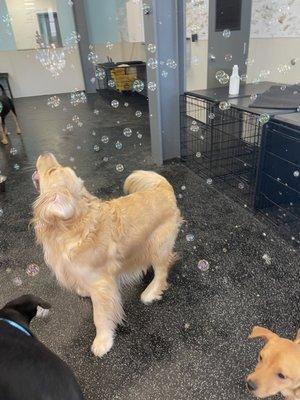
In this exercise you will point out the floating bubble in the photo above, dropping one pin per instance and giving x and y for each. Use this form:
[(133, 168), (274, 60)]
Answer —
[(105, 139), (127, 132), (1, 212), (228, 57), (52, 59), (187, 326), (293, 61), (78, 147), (243, 77), (96, 147), (109, 45), (72, 159), (93, 57), (118, 145), (190, 237), (283, 68), (224, 79), (171, 63), (282, 88), (198, 154), (75, 118), (241, 185), (146, 9), (17, 281), (264, 118), (183, 187), (42, 312), (203, 265), (253, 97), (93, 133), (105, 159), (138, 114), (114, 104), (152, 86), (70, 3), (211, 116), (77, 97), (138, 85), (1, 106), (194, 127), (226, 33), (152, 63), (296, 174), (53, 101), (151, 48), (96, 112), (267, 259), (71, 41), (16, 167), (224, 105), (32, 270), (164, 73), (139, 135), (100, 73), (69, 127), (111, 83), (126, 104), (93, 79), (13, 151), (220, 74), (264, 74), (209, 181), (119, 167), (249, 61)]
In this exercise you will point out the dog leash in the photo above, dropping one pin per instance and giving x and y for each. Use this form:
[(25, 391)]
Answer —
[(17, 326)]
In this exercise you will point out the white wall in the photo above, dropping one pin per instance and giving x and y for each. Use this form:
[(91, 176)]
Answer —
[(29, 78)]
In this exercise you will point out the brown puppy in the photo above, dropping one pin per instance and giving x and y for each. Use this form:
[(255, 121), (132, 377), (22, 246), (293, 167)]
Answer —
[(94, 245), (278, 368)]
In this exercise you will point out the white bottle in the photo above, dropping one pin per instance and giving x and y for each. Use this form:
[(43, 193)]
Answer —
[(234, 84)]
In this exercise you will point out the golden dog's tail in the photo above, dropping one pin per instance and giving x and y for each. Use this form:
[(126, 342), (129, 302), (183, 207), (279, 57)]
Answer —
[(144, 180)]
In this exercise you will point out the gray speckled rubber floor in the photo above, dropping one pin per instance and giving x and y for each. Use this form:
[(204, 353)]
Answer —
[(192, 344)]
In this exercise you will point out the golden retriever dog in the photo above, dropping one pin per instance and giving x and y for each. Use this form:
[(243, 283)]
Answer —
[(93, 245), (278, 368)]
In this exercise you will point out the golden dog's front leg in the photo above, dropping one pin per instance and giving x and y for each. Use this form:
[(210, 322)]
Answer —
[(108, 312)]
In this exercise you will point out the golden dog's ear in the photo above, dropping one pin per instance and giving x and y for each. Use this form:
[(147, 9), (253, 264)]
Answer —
[(259, 331), (61, 206)]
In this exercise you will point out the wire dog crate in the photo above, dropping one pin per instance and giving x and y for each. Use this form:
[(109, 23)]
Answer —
[(226, 146), (221, 146)]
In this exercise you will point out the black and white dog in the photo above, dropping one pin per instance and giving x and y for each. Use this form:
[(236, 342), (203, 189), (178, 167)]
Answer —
[(7, 105), (28, 369)]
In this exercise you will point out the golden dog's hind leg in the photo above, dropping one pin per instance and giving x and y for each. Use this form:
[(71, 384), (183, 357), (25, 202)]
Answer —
[(108, 312)]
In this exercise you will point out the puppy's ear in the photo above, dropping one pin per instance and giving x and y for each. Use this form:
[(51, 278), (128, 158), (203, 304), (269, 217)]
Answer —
[(259, 331), (61, 206)]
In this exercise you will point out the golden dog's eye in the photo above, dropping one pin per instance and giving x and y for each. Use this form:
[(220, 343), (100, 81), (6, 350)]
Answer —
[(281, 376)]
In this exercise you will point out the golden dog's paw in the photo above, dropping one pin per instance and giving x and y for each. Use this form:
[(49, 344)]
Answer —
[(149, 297), (102, 345)]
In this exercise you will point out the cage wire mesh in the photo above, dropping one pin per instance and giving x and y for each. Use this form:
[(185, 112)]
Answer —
[(223, 146)]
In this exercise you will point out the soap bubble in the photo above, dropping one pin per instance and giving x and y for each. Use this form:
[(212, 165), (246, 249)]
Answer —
[(93, 80), (138, 85), (241, 185), (105, 159), (224, 105), (111, 83), (1, 212), (119, 167), (243, 77), (118, 145), (152, 63), (70, 3), (282, 88), (72, 159), (139, 135), (209, 181), (283, 68), (53, 101), (203, 265), (109, 45), (127, 132), (93, 133), (253, 97), (32, 270), (96, 147), (138, 114), (100, 73), (211, 116), (293, 61), (171, 63), (249, 61), (226, 33), (93, 57), (164, 73), (105, 139), (96, 112), (152, 86), (151, 48), (16, 167), (267, 259), (198, 154), (75, 118), (220, 74), (228, 57), (17, 281), (126, 104), (77, 97), (52, 59), (71, 41), (115, 104), (194, 127), (69, 127), (296, 174), (190, 237), (224, 79), (264, 118), (13, 151)]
